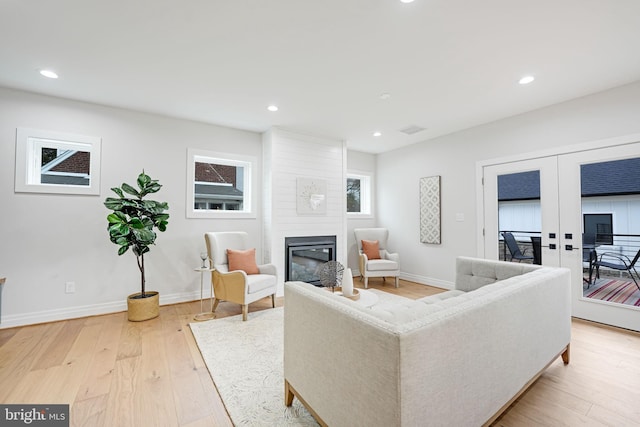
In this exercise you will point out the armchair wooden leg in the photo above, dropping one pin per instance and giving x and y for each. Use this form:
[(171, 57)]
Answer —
[(366, 282), (245, 311), (215, 305), (397, 281), (273, 300)]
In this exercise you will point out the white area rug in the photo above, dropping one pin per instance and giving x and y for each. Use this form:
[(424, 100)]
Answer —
[(245, 360)]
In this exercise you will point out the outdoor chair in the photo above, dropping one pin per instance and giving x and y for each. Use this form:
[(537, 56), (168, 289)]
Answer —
[(591, 258), (514, 249), (619, 262), (536, 245)]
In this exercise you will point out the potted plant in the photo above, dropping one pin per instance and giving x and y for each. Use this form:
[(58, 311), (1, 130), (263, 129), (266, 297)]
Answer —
[(131, 225)]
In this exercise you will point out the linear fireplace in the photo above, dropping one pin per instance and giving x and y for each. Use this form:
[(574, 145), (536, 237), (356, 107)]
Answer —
[(303, 256)]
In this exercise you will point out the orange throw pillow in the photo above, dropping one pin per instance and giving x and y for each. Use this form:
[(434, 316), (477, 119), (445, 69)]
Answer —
[(371, 249), (243, 260)]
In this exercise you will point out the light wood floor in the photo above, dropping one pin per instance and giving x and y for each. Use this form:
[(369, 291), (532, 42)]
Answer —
[(118, 373)]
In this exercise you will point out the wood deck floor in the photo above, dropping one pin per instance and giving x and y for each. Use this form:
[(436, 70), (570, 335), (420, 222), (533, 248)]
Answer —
[(118, 373)]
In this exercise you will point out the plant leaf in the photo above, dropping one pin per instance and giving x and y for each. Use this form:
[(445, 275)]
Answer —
[(118, 191), (122, 249), (136, 223), (113, 204), (144, 236), (114, 218), (118, 230), (130, 190), (122, 241)]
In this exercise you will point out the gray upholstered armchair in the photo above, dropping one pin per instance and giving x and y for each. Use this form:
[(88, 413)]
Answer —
[(238, 286), (383, 265)]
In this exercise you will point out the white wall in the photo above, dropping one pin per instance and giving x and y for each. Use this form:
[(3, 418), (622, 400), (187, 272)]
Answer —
[(359, 162), (604, 115), (288, 156), (49, 239)]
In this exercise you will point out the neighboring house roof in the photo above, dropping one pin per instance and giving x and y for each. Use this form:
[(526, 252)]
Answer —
[(71, 167), (71, 161), (208, 191), (616, 177), (64, 180), (519, 186)]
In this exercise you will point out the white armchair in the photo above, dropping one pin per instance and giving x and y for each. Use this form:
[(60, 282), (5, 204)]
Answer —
[(238, 286), (388, 265)]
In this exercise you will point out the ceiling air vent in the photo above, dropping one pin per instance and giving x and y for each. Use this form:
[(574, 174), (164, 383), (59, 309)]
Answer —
[(412, 130)]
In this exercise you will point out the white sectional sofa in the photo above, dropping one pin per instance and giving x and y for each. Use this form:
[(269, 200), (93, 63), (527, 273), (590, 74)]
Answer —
[(459, 358)]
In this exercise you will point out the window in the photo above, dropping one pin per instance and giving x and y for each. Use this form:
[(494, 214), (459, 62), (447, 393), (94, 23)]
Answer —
[(358, 194), (219, 185), (52, 162)]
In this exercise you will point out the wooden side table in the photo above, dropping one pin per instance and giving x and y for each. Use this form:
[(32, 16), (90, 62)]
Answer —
[(204, 315)]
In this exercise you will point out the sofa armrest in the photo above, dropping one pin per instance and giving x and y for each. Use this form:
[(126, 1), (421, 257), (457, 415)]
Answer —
[(335, 353)]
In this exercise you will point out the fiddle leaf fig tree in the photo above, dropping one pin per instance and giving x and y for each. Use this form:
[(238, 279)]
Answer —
[(132, 222)]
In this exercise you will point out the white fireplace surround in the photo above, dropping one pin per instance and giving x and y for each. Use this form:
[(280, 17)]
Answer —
[(288, 156)]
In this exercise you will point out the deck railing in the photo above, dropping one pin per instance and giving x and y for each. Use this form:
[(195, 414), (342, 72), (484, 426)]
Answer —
[(622, 244)]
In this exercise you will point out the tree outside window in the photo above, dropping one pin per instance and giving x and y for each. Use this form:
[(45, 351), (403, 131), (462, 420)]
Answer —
[(358, 194), (353, 195)]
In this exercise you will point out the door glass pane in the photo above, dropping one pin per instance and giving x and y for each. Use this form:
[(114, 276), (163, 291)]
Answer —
[(519, 218), (611, 231)]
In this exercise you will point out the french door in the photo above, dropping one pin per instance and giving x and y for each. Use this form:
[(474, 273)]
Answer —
[(557, 216), (537, 218)]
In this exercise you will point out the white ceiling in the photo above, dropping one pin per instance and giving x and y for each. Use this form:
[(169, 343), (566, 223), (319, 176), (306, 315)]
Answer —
[(446, 64)]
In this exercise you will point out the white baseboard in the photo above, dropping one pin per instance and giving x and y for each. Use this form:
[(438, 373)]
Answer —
[(35, 317), (44, 316), (423, 280)]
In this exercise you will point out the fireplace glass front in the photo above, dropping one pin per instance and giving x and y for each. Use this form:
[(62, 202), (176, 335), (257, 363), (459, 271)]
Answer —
[(304, 255)]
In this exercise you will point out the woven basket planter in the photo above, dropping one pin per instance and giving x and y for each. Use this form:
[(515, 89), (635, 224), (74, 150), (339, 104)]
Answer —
[(140, 309)]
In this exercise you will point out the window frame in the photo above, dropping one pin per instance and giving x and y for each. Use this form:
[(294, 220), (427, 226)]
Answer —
[(249, 200), (366, 193), (29, 144)]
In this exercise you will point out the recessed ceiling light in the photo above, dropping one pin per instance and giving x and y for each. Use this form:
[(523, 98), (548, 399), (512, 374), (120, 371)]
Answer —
[(377, 133), (272, 108), (406, 1), (385, 96), (48, 73), (526, 80)]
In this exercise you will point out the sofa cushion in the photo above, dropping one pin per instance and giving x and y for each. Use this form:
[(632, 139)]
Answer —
[(381, 265), (402, 312), (371, 249), (441, 296)]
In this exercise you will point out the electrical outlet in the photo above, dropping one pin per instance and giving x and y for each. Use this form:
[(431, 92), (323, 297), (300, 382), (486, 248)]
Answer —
[(70, 287)]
